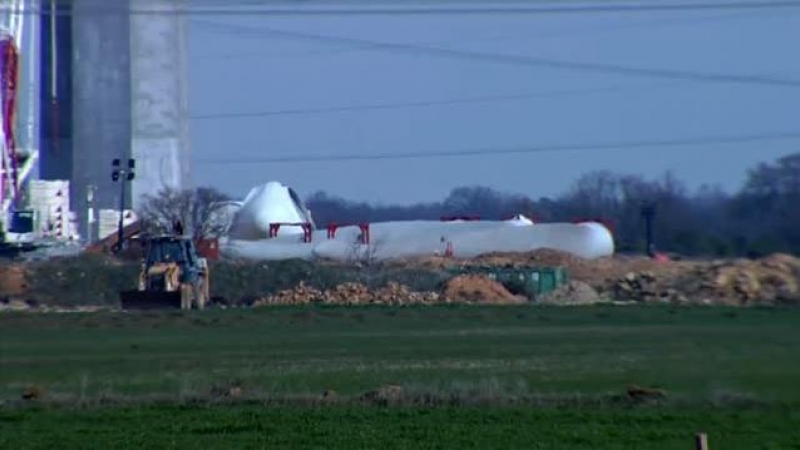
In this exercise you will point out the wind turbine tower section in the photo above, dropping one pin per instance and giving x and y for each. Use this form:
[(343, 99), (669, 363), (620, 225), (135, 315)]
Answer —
[(113, 85), (160, 141), (101, 99)]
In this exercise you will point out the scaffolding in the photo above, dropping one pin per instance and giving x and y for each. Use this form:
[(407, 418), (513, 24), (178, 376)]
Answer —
[(16, 162)]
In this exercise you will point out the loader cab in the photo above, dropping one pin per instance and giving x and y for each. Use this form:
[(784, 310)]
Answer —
[(170, 249)]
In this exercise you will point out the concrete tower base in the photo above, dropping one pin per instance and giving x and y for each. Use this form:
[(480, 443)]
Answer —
[(128, 98), (159, 100)]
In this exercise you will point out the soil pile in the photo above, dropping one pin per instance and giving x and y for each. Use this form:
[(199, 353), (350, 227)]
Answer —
[(739, 282), (13, 283), (479, 289), (299, 295), (351, 294), (769, 280), (572, 293), (72, 283)]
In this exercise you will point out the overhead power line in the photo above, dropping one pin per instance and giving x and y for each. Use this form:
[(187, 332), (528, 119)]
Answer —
[(422, 103), (518, 60), (528, 35), (256, 8), (674, 142)]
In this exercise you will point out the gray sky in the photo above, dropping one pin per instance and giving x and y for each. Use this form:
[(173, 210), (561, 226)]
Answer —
[(237, 70)]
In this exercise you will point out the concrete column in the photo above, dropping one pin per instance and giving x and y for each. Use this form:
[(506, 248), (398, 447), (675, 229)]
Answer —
[(101, 98), (160, 139), (55, 92)]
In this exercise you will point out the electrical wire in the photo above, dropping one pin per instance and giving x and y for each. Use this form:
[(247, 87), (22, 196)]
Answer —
[(536, 35), (423, 103), (556, 148), (517, 60), (254, 9)]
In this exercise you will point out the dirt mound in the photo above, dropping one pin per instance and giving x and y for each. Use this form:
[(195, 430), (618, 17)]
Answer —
[(397, 294), (773, 279), (479, 289), (646, 287), (351, 294), (13, 281), (572, 293), (544, 257), (600, 273), (391, 294), (768, 280), (299, 295), (348, 294)]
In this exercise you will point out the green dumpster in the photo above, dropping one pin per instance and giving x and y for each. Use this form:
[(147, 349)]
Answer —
[(529, 281)]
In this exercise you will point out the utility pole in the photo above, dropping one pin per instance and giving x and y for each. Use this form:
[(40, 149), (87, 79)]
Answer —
[(90, 212), (122, 175), (649, 213)]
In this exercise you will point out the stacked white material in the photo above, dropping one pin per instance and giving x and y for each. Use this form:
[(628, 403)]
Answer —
[(519, 220), (275, 203), (73, 226), (49, 200), (109, 221), (390, 240)]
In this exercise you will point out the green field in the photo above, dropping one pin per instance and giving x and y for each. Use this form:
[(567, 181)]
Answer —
[(478, 377)]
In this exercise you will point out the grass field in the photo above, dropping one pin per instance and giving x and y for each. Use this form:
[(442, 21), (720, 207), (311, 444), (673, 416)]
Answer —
[(470, 377)]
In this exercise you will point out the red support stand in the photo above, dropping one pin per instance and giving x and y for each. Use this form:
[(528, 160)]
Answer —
[(332, 230), (307, 230), (364, 227)]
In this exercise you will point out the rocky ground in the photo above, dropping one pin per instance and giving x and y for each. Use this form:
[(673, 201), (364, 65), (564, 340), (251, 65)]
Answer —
[(738, 282)]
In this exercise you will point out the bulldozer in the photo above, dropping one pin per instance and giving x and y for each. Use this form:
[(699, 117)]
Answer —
[(172, 276)]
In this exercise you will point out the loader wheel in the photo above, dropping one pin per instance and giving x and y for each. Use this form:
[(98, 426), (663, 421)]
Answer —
[(186, 296), (200, 294)]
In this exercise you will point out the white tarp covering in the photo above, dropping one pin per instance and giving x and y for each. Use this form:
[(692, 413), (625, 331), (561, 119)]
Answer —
[(269, 203), (389, 240), (273, 202)]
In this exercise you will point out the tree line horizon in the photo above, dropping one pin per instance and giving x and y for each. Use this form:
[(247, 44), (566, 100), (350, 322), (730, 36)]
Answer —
[(762, 217)]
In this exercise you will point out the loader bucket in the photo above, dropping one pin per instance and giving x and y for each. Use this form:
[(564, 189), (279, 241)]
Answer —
[(143, 300)]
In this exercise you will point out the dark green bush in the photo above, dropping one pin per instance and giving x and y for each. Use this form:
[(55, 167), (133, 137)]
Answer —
[(97, 280)]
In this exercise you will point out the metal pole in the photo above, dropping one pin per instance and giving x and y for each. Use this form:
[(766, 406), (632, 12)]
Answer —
[(122, 181), (701, 441), (649, 212), (89, 212)]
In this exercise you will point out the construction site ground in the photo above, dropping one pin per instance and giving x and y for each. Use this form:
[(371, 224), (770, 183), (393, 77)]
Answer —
[(91, 282), (441, 376)]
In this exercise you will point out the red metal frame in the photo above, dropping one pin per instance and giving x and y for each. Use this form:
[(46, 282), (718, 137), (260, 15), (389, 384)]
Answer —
[(364, 227), (9, 80), (274, 227)]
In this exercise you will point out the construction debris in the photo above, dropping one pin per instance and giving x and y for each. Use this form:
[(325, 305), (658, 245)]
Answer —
[(479, 289), (632, 279), (572, 293), (739, 282), (351, 294)]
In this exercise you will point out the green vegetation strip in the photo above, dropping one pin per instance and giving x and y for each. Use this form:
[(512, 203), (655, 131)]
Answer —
[(543, 375), (255, 427)]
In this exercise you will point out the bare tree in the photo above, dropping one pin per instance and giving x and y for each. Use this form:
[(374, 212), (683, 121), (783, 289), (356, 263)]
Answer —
[(194, 208)]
